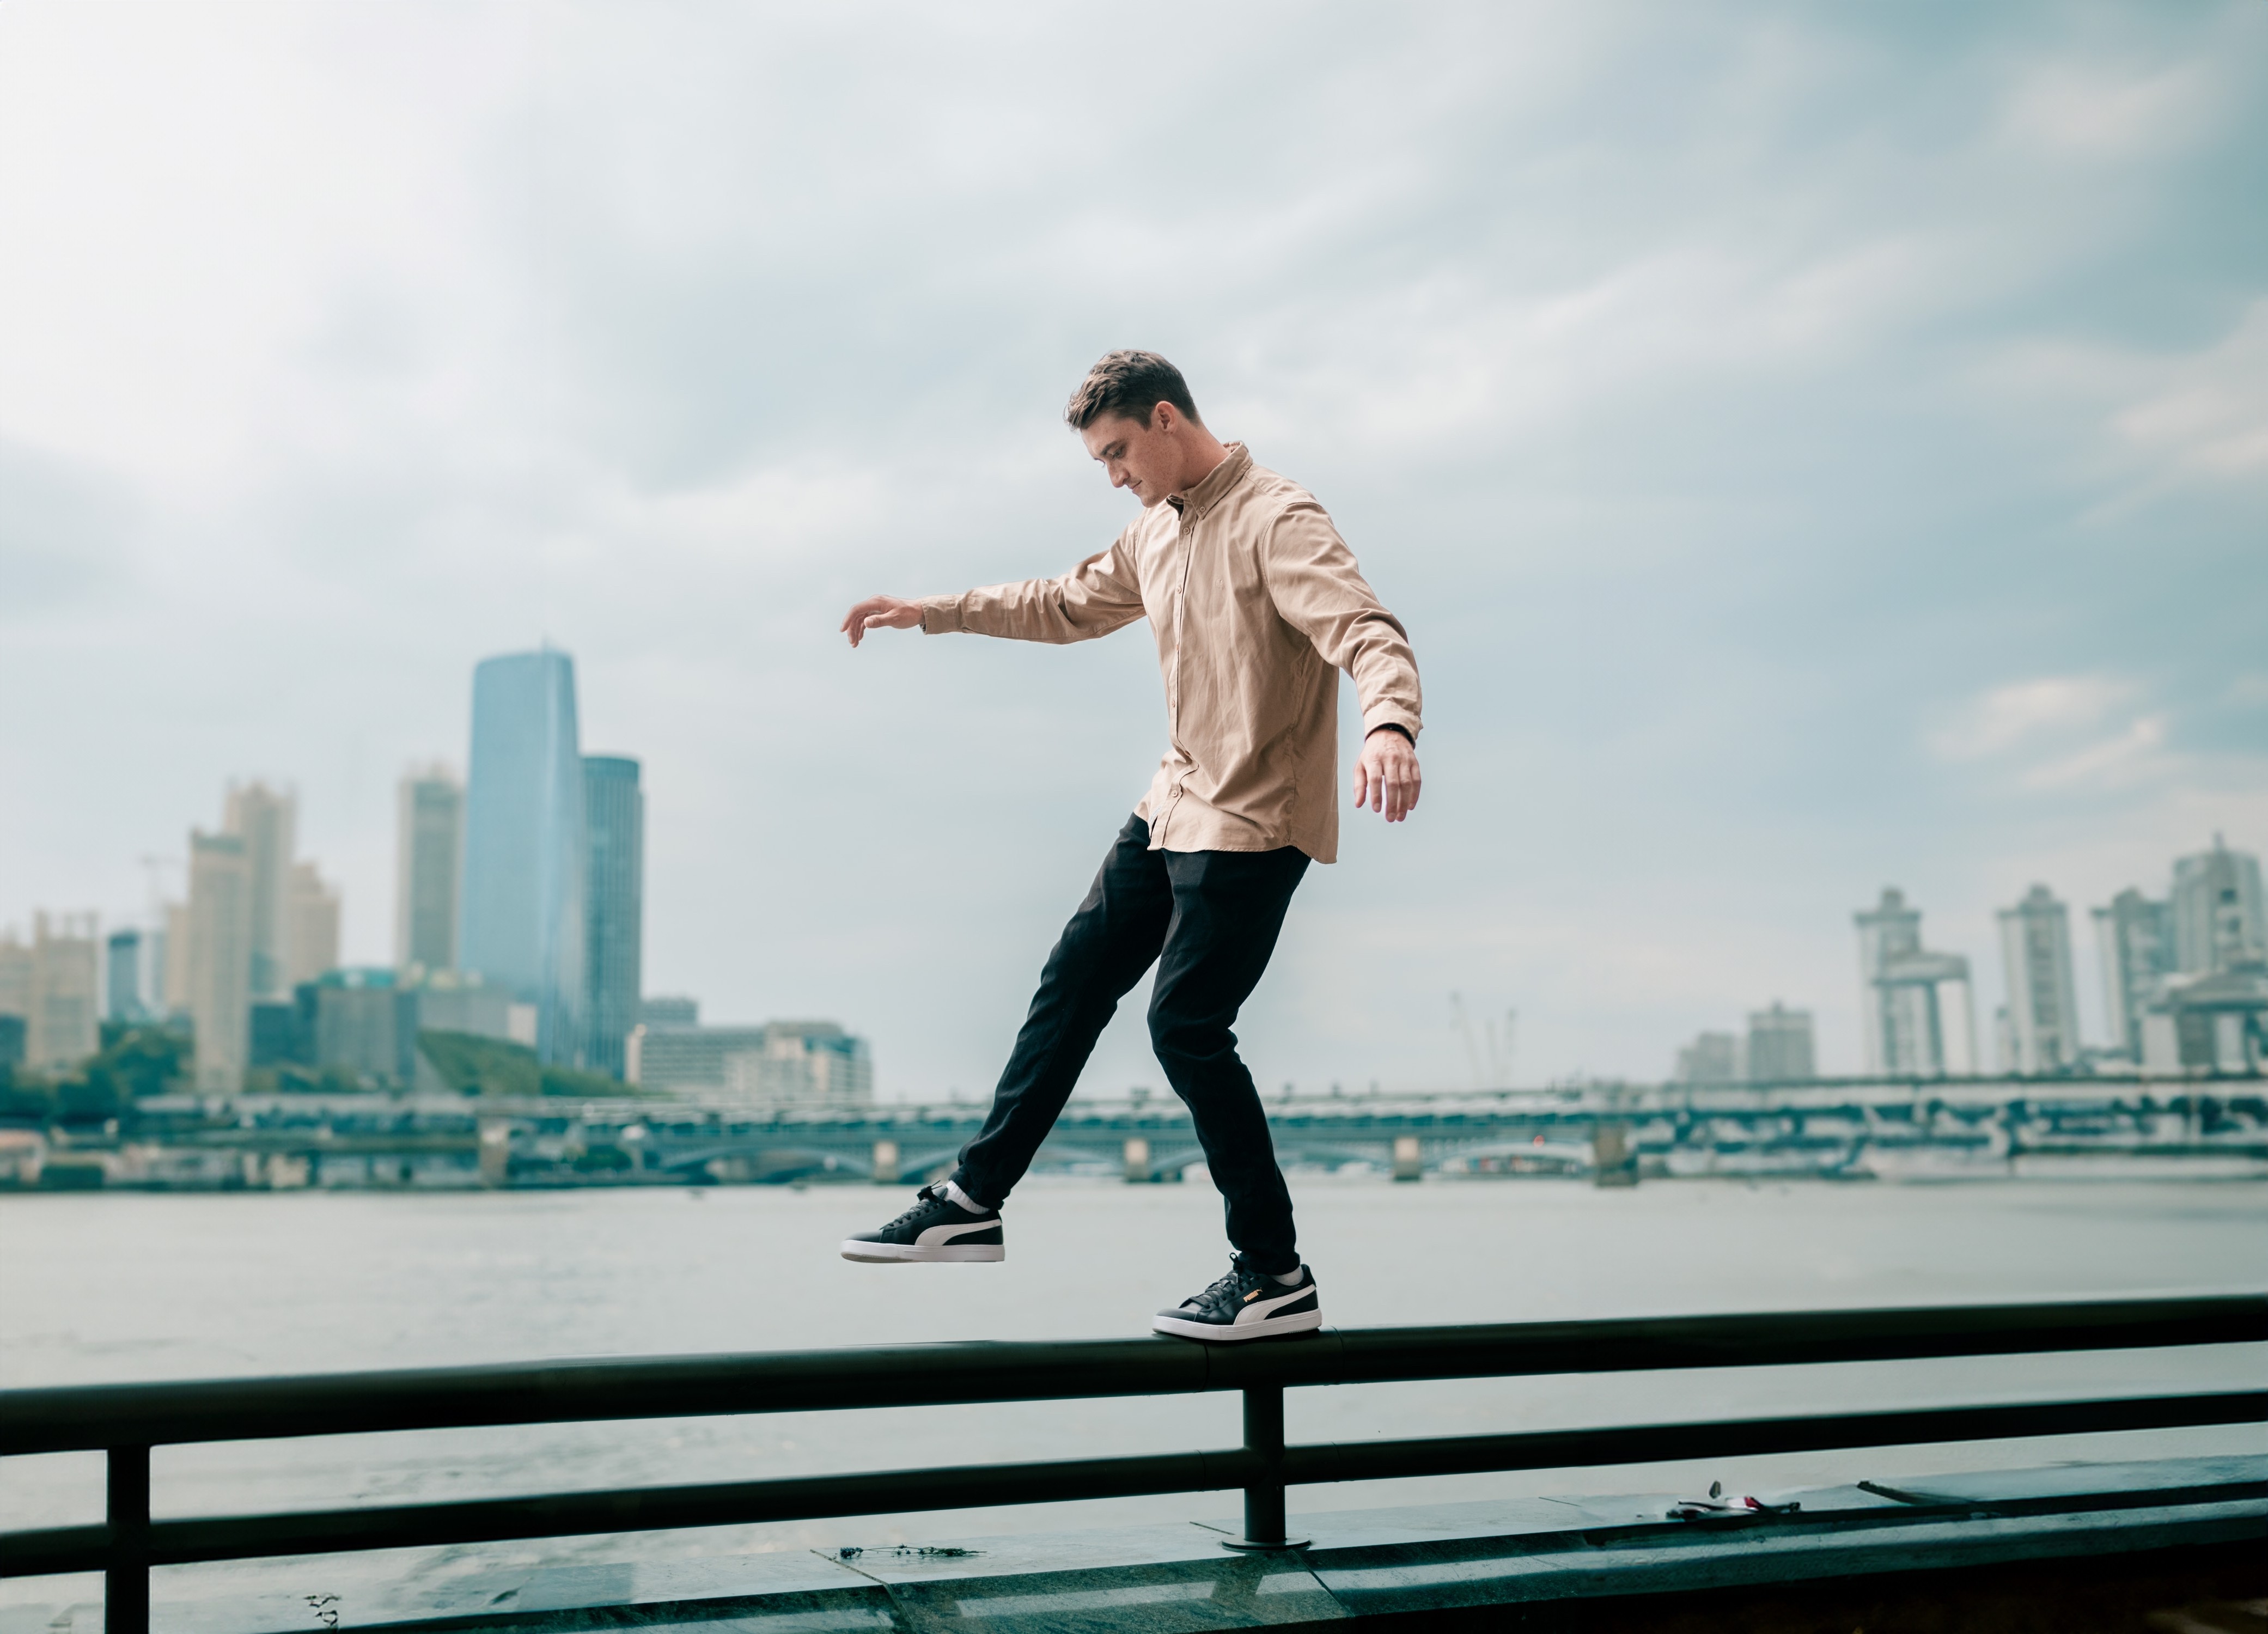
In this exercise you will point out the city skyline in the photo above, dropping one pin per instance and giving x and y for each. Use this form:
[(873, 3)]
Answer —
[(1922, 1001), (1809, 452)]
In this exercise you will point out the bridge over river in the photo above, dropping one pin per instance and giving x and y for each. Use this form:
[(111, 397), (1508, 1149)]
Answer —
[(1831, 1129)]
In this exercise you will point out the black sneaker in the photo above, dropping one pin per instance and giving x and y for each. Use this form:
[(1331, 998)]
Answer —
[(935, 1228), (1246, 1304)]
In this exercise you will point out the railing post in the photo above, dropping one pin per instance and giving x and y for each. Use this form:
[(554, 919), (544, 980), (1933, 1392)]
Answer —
[(1264, 1498), (126, 1580)]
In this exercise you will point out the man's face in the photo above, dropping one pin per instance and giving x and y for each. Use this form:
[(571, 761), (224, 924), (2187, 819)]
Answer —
[(1145, 461)]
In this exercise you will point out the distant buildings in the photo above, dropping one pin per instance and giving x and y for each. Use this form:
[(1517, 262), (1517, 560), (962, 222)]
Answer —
[(267, 823), (613, 826), (1781, 1050), (2217, 918), (429, 858), (2134, 945), (780, 1067), (2043, 1013), (121, 977), (367, 1026), (216, 955), (521, 918), (313, 945), (668, 1010), (1710, 1058), (1915, 1005), (50, 985)]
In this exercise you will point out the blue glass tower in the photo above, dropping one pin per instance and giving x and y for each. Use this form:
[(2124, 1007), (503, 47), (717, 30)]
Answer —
[(522, 914)]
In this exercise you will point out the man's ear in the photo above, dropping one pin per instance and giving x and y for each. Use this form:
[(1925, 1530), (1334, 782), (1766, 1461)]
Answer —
[(1162, 416)]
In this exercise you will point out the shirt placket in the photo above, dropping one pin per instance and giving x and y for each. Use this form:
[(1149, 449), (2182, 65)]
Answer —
[(1186, 542)]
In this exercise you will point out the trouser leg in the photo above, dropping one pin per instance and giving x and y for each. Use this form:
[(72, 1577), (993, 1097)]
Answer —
[(1228, 907), (1110, 941)]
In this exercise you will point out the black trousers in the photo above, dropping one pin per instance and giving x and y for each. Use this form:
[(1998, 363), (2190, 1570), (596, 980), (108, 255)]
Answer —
[(1208, 920)]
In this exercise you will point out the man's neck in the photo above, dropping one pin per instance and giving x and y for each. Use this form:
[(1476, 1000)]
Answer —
[(1204, 460)]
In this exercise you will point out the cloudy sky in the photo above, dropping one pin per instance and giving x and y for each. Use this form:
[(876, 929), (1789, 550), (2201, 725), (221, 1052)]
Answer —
[(1812, 448)]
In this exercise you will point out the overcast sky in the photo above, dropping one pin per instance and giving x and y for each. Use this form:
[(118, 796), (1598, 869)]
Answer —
[(1813, 448)]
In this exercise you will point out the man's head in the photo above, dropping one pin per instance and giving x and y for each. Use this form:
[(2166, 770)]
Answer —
[(1135, 414)]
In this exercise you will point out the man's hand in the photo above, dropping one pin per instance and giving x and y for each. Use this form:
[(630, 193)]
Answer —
[(879, 613), (1386, 774)]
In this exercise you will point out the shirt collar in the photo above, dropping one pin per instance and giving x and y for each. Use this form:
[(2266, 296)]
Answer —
[(1224, 476)]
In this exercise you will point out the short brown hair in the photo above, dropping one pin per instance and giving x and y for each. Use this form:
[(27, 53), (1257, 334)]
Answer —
[(1131, 384)]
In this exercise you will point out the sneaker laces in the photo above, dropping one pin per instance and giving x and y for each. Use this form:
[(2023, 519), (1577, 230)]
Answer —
[(923, 1198), (1230, 1286)]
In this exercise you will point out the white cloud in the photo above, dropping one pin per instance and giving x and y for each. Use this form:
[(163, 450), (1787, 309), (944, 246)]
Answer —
[(2093, 111), (2123, 758), (2207, 413), (2004, 716)]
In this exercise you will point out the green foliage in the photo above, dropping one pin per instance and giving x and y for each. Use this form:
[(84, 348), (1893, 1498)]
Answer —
[(138, 1060), (589, 1086), (474, 1066), (603, 1160), (88, 1100)]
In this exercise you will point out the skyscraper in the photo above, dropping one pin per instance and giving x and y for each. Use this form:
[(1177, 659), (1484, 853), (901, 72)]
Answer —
[(429, 858), (2217, 909), (521, 919), (266, 821), (313, 925), (122, 977), (217, 958), (1919, 1020), (2042, 1003), (1781, 1050), (2134, 940), (63, 1023), (614, 825)]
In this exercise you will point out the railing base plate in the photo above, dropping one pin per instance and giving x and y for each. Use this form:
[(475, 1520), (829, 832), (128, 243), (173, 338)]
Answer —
[(1247, 1543)]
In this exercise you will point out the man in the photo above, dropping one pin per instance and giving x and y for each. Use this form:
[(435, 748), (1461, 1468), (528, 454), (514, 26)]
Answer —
[(1256, 604)]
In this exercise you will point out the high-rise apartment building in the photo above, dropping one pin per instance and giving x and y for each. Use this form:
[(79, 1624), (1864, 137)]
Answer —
[(64, 1026), (802, 1065), (15, 977), (1780, 1046), (1915, 1005), (521, 917), (2216, 914), (428, 863), (267, 822), (614, 828), (1710, 1058), (2042, 999), (121, 977), (2134, 942), (216, 957), (174, 974), (313, 938)]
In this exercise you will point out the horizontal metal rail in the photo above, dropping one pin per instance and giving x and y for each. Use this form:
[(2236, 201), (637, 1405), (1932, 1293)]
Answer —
[(127, 1420), (74, 1418)]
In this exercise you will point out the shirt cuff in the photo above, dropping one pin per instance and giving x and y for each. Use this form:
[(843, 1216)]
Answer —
[(940, 615), (1391, 715)]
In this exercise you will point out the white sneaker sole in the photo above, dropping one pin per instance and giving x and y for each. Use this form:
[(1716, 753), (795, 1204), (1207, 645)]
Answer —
[(913, 1252), (1213, 1333)]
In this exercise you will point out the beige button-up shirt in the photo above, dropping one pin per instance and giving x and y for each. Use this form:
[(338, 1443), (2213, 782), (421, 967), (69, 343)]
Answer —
[(1256, 604)]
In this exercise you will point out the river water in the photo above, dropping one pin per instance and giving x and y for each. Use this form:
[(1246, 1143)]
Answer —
[(101, 1287)]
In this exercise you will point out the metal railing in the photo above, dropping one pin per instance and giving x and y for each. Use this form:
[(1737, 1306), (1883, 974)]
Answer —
[(126, 1421)]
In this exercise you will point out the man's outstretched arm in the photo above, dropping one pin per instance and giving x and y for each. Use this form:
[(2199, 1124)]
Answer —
[(1098, 596)]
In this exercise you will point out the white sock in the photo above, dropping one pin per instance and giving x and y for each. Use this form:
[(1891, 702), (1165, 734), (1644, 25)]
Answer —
[(1290, 1278), (952, 1191)]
